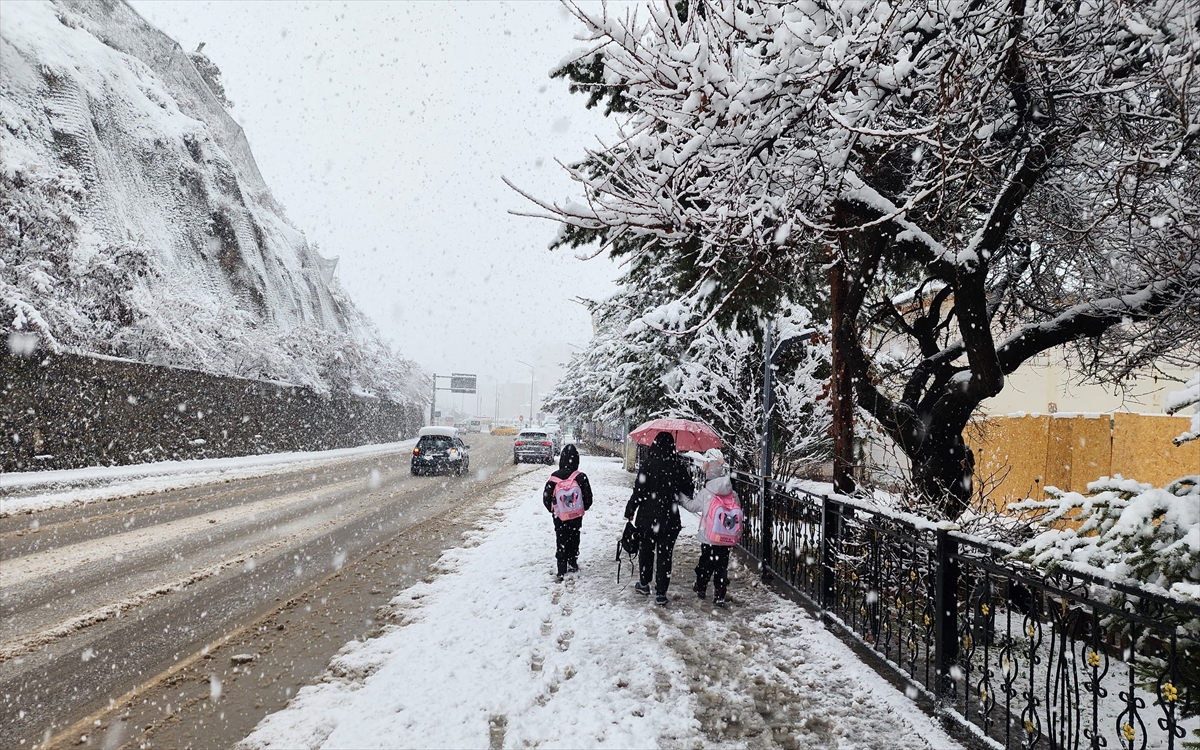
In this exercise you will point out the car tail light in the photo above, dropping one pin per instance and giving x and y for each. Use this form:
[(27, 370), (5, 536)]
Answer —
[(416, 451), (547, 443), (519, 442)]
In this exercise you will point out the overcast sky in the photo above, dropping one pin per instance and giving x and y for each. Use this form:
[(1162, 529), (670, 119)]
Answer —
[(384, 129)]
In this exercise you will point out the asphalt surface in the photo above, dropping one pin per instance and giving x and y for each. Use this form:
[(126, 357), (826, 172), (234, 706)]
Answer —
[(180, 619)]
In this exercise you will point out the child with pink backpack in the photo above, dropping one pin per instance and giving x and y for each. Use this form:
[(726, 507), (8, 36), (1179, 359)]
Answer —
[(567, 495), (721, 522)]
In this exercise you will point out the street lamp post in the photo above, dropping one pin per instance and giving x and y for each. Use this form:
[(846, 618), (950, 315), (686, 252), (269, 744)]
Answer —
[(530, 389), (765, 467)]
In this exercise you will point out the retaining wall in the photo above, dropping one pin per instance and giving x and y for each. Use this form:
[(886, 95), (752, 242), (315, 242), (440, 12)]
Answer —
[(65, 411)]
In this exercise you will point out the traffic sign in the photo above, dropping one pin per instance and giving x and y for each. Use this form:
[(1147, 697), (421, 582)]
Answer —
[(460, 383)]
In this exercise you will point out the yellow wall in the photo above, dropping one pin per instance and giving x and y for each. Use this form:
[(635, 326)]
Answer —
[(1142, 448), (1017, 456)]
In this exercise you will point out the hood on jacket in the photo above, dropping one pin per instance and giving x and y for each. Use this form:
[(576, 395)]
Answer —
[(568, 460), (719, 485), (664, 444), (713, 468)]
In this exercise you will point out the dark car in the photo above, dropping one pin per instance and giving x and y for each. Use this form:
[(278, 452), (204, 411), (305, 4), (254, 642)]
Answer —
[(533, 445), (440, 450)]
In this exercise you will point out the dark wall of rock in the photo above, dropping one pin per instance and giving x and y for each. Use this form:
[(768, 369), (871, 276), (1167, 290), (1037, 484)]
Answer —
[(65, 411)]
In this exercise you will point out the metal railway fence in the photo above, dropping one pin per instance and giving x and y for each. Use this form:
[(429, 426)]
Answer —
[(1023, 658)]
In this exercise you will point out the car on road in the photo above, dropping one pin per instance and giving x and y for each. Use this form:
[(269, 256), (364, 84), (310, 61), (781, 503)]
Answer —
[(504, 429), (533, 446), (556, 437), (440, 450)]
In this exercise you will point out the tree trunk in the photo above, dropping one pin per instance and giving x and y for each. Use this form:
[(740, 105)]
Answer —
[(842, 391), (943, 470)]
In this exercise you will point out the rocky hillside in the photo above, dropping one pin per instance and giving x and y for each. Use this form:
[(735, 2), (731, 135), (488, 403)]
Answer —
[(134, 222)]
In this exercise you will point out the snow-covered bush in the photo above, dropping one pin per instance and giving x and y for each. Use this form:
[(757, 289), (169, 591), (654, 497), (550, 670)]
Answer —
[(211, 74), (1128, 529)]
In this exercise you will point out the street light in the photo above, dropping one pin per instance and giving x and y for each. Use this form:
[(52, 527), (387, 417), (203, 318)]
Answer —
[(769, 390), (769, 355), (530, 389)]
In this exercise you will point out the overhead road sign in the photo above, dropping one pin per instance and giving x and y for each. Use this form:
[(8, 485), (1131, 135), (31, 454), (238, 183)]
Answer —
[(460, 383)]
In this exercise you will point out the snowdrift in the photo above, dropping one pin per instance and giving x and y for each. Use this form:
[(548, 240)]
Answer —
[(134, 221)]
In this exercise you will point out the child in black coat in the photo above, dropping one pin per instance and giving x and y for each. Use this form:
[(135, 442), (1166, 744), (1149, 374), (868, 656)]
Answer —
[(566, 533)]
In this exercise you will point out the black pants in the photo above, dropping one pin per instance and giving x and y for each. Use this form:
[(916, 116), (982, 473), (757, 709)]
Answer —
[(714, 564), (659, 545), (566, 543)]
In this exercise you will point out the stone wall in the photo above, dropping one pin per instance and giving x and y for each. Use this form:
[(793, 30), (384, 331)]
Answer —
[(64, 411)]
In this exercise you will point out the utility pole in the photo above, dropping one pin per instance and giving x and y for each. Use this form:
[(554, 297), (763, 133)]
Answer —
[(764, 465), (770, 355)]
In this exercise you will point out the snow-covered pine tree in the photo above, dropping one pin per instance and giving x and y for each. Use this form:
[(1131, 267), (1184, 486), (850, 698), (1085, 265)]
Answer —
[(1026, 172), (719, 380)]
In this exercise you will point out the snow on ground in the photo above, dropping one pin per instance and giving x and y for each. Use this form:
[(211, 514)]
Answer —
[(29, 491), (493, 652)]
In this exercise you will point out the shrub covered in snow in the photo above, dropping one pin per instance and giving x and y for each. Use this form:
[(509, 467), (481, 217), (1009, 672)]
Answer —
[(1128, 529), (1133, 532)]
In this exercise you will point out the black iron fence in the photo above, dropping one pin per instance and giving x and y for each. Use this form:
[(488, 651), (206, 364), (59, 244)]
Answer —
[(1027, 659)]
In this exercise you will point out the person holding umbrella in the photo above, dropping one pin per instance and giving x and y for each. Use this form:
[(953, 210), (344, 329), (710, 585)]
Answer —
[(661, 479)]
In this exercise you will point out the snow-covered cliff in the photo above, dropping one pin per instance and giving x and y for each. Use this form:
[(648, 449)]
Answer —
[(134, 221)]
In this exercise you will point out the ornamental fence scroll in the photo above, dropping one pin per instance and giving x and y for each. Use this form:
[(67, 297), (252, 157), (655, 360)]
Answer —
[(1027, 659)]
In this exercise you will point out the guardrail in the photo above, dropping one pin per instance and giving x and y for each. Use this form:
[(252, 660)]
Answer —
[(1025, 659)]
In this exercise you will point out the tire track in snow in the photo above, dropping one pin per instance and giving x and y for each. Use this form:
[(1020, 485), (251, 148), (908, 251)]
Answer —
[(309, 528), (21, 570)]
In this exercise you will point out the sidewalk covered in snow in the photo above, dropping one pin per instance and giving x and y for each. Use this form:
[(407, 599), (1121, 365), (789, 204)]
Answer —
[(491, 651)]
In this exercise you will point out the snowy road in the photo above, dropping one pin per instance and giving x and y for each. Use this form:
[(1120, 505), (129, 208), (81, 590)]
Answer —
[(99, 599)]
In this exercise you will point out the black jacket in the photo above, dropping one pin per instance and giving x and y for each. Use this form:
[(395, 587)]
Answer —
[(568, 461), (660, 478)]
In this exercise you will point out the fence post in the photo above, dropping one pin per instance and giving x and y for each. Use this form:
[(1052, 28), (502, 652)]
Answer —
[(768, 519), (945, 605), (830, 530)]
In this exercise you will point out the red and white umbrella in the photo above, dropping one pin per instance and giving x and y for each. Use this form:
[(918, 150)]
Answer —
[(689, 436)]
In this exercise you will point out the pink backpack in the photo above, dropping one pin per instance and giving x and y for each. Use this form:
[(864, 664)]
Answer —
[(722, 523), (568, 498)]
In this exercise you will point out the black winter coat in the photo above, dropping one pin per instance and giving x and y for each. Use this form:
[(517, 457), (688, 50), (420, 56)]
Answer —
[(568, 461), (661, 477)]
